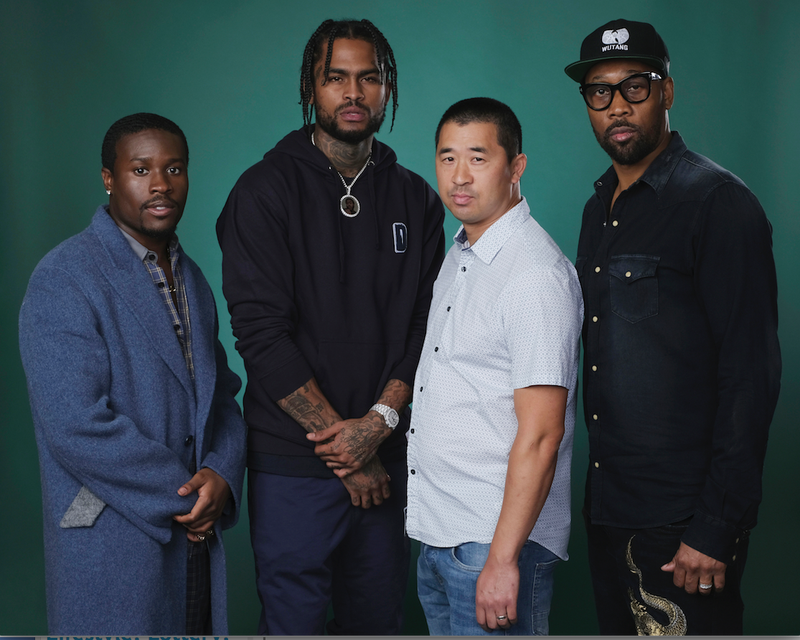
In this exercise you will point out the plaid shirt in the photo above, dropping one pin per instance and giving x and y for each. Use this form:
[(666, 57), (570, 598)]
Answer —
[(179, 315)]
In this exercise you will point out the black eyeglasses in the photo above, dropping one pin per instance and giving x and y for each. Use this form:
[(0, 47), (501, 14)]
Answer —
[(634, 89)]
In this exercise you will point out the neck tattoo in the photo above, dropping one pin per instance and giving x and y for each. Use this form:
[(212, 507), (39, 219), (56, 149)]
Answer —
[(349, 204)]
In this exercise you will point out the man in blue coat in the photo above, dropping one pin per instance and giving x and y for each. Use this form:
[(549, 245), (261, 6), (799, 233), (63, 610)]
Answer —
[(141, 442)]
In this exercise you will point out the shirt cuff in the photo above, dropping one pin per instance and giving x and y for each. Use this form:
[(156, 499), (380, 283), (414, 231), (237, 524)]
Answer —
[(712, 537)]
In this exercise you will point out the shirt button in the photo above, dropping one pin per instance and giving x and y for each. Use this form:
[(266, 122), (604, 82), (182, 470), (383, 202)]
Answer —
[(463, 268), (436, 348), (413, 472), (594, 318), (594, 367), (412, 431), (596, 465), (420, 388), (189, 440), (448, 308), (615, 223), (627, 274), (594, 417), (177, 327), (597, 269), (160, 284), (733, 558)]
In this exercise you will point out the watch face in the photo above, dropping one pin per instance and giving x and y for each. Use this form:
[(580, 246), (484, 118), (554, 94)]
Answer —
[(389, 415)]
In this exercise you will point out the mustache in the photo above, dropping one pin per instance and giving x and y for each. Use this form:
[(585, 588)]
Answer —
[(619, 124), (158, 200), (352, 105)]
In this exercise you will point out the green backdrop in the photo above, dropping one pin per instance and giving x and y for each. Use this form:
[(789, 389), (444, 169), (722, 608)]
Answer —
[(227, 73)]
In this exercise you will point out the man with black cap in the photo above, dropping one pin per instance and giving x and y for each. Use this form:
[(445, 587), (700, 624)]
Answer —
[(682, 363)]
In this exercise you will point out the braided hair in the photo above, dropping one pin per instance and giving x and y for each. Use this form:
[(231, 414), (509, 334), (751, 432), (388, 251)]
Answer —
[(328, 32)]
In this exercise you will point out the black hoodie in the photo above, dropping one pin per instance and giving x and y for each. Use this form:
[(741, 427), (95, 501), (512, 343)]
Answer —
[(312, 293)]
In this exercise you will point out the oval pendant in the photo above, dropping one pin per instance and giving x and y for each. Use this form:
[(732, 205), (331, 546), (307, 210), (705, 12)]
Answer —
[(349, 206)]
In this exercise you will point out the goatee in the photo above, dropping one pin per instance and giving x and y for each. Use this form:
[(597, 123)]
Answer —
[(330, 126), (633, 150)]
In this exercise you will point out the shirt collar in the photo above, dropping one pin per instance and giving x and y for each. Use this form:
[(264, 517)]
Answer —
[(143, 252), (658, 173), (493, 239)]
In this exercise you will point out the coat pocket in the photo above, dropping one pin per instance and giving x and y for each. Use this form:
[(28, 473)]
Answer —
[(83, 511), (633, 286)]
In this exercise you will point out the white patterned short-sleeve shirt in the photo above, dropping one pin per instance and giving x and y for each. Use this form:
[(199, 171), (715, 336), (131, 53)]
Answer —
[(506, 314)]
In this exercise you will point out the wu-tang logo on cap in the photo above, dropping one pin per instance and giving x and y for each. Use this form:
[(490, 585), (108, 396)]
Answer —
[(616, 36)]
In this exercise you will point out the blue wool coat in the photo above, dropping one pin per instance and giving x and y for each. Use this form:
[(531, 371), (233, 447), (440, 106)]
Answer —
[(116, 414)]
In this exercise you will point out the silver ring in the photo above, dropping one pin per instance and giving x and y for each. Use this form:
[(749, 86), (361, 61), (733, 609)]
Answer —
[(209, 533), (200, 536), (706, 586), (501, 617)]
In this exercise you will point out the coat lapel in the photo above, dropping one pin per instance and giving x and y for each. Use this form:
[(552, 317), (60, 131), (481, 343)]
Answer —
[(203, 318), (130, 279)]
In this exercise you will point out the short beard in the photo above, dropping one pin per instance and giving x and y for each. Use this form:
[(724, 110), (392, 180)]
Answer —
[(157, 234), (329, 125), (634, 150)]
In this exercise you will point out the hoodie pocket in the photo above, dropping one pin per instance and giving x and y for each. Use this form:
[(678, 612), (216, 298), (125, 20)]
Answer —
[(83, 511)]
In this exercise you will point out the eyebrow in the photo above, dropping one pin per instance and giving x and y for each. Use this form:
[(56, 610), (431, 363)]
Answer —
[(362, 72), (149, 159), (475, 149)]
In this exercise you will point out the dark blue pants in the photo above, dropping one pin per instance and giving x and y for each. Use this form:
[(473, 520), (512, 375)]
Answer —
[(313, 547), (627, 604)]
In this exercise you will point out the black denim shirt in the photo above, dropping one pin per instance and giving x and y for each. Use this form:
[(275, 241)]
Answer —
[(681, 362)]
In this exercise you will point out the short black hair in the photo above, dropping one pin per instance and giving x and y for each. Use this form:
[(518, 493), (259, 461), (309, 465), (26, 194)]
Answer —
[(134, 124), (331, 30), (509, 130)]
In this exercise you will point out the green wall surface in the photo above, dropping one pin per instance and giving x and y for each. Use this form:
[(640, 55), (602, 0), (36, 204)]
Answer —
[(227, 73)]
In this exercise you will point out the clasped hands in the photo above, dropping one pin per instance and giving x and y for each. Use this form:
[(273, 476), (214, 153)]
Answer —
[(348, 447), (213, 493)]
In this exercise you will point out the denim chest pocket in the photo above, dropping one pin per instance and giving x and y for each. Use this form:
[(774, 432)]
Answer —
[(633, 286)]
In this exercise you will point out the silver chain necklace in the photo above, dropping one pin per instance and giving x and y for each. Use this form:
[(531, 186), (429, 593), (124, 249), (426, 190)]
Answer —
[(349, 204)]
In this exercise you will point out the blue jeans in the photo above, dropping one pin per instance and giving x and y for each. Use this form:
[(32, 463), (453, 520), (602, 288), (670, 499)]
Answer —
[(447, 579)]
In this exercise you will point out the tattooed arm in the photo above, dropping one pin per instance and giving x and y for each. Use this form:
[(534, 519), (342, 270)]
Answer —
[(312, 411), (310, 408), (348, 445)]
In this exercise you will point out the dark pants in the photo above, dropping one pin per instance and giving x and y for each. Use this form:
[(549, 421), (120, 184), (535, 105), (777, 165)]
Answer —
[(198, 589), (628, 604), (313, 547)]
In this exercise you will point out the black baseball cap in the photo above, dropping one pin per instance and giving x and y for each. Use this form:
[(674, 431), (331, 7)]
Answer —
[(621, 39)]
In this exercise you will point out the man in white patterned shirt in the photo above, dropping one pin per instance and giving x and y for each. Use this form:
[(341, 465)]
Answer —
[(494, 396)]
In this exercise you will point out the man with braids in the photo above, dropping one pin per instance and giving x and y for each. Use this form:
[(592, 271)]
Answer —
[(141, 442), (330, 249)]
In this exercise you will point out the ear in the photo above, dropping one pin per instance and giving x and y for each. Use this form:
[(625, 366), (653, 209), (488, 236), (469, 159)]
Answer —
[(108, 179), (668, 88), (518, 165)]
